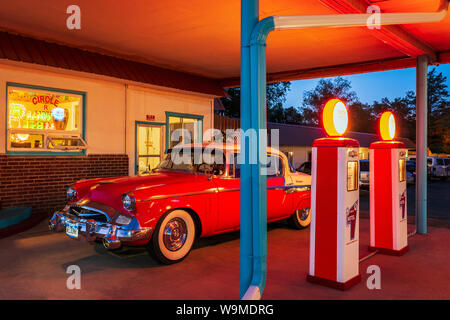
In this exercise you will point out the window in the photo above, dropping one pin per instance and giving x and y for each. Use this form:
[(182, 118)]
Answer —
[(235, 166), (43, 120), (305, 167), (199, 160), (182, 128), (274, 167), (401, 170), (352, 175)]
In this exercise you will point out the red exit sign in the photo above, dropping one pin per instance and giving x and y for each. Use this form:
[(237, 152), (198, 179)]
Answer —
[(150, 117)]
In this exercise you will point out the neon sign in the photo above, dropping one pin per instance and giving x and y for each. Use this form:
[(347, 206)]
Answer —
[(58, 114), (45, 100)]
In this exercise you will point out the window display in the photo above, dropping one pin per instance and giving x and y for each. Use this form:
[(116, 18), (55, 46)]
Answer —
[(41, 120)]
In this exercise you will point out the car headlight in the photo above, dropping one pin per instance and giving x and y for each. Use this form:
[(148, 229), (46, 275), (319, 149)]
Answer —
[(71, 193), (123, 220), (129, 202)]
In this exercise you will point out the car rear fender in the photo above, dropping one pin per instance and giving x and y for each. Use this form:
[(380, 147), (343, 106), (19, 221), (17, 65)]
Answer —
[(304, 201)]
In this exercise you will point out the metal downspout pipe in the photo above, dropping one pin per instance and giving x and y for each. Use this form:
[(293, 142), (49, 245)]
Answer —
[(421, 143), (249, 187), (253, 244)]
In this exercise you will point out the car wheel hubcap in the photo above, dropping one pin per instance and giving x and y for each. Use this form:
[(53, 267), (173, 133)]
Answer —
[(175, 233), (303, 214)]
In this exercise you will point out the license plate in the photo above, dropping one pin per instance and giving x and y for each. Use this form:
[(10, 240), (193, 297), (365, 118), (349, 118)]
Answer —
[(72, 230)]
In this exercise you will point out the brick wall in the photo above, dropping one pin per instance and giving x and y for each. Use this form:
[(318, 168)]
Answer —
[(40, 182)]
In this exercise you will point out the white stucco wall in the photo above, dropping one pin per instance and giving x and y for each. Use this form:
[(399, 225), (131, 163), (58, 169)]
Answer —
[(109, 106), (144, 101), (104, 105)]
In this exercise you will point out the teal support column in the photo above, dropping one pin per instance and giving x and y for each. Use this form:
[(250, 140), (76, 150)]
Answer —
[(253, 243), (249, 18), (254, 33), (421, 143)]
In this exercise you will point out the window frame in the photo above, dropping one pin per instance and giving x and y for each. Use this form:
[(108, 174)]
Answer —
[(233, 163), (146, 123), (280, 159), (182, 115), (46, 152)]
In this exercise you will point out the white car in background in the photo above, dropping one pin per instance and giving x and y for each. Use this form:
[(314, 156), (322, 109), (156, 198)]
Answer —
[(438, 167), (364, 174)]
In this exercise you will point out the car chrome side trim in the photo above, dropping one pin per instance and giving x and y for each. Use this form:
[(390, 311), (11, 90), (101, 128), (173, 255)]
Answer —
[(160, 197), (288, 189)]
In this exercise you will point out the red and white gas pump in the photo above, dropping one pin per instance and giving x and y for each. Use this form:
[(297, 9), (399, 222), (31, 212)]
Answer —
[(334, 230), (388, 212)]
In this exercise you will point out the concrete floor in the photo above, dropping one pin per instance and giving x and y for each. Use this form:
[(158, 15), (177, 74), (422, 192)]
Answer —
[(33, 266), (438, 202)]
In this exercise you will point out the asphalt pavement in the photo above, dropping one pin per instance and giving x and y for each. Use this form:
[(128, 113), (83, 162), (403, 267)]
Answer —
[(35, 264), (438, 199)]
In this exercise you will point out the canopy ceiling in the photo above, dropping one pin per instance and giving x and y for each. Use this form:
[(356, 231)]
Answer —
[(202, 37)]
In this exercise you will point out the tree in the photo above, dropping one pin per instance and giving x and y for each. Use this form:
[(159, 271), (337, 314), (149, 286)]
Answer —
[(361, 118), (404, 115), (314, 100), (292, 116), (232, 103), (438, 112), (276, 96)]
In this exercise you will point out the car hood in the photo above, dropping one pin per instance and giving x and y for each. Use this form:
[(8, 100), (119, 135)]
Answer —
[(109, 191)]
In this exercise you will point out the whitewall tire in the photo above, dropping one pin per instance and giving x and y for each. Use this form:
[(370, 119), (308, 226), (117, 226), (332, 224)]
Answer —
[(301, 218), (173, 237)]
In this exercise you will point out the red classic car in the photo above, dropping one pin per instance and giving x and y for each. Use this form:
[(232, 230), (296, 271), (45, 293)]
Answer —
[(179, 201)]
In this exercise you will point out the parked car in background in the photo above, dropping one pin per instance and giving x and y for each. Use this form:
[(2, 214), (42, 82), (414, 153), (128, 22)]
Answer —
[(305, 167), (194, 192), (438, 167), (364, 173), (411, 171)]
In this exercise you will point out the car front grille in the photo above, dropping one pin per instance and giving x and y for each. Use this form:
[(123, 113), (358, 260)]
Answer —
[(88, 214)]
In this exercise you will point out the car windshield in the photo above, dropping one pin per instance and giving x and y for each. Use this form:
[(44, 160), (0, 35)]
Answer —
[(194, 160), (364, 166)]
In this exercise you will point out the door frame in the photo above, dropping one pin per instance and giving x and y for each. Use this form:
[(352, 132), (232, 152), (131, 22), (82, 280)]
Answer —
[(146, 123)]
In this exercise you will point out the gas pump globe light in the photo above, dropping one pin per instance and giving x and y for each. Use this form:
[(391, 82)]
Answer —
[(335, 118), (387, 126)]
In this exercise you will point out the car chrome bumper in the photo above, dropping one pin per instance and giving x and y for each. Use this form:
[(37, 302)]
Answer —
[(111, 235)]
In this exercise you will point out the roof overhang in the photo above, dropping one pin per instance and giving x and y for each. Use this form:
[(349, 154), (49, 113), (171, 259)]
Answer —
[(202, 38)]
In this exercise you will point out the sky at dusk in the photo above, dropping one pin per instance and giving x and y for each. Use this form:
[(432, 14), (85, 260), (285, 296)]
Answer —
[(369, 86)]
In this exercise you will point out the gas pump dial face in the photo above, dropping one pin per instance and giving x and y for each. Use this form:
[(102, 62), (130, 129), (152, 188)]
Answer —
[(387, 126), (335, 118)]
